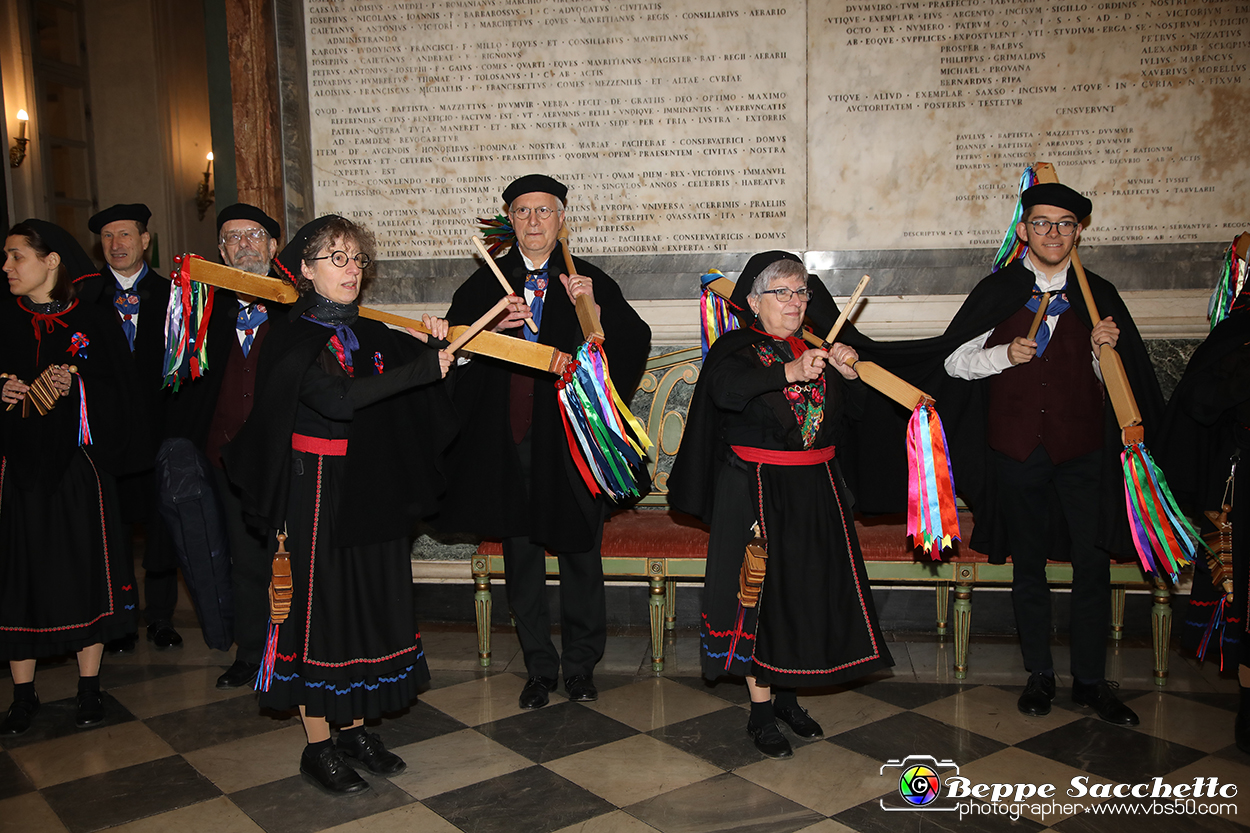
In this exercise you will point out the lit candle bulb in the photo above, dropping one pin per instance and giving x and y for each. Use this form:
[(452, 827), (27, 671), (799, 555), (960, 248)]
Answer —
[(22, 118), (208, 170)]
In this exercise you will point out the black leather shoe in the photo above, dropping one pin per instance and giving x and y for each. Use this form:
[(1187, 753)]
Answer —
[(799, 721), (1101, 698), (331, 773), (367, 748), (534, 695), (17, 721), (769, 740), (239, 674), (90, 709), (1038, 693), (162, 635), (122, 644), (581, 688)]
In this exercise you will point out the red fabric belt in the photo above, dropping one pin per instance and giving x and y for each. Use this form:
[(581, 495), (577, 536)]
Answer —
[(319, 445), (784, 458)]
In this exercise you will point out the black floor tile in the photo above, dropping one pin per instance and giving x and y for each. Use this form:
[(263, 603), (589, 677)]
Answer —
[(296, 805), (911, 695), (1231, 752), (555, 731), (533, 800), (725, 802), (913, 734), (220, 722), (116, 675), (870, 818), (421, 722), (123, 795), (719, 737), (1114, 752), (12, 780), (1145, 821), (731, 691), (56, 720), (1229, 702)]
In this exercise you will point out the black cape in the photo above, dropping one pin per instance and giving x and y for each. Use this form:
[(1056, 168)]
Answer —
[(484, 492), (394, 474)]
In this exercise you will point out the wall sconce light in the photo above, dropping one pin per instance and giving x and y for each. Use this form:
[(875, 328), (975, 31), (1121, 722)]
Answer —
[(17, 153), (205, 193)]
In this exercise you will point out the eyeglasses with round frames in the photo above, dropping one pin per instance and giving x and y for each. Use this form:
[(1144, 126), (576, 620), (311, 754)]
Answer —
[(1066, 227), (340, 259), (785, 293), (234, 238), (523, 212)]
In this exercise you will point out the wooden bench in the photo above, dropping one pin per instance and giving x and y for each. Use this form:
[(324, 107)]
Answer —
[(666, 548)]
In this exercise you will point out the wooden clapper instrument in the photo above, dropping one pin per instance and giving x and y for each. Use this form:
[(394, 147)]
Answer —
[(1162, 536), (932, 516)]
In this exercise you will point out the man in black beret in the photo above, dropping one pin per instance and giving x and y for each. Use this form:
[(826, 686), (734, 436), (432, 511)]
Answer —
[(140, 298), (510, 473), (1052, 439), (210, 410)]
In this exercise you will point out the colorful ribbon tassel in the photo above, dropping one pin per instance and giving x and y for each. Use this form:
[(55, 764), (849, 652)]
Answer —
[(186, 326), (268, 659), (714, 312), (1229, 293), (84, 427), (1013, 248), (606, 452), (932, 517), (497, 233), (1162, 536)]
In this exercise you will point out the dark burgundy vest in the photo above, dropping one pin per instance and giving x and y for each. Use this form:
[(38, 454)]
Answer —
[(234, 401), (1054, 401)]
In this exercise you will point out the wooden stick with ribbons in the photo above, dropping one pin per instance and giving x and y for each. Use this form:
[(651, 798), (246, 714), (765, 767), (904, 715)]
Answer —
[(1163, 537), (608, 443), (1039, 316), (484, 343)]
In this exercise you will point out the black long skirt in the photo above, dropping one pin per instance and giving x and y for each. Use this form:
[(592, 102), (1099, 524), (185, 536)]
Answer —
[(815, 623), (63, 583), (351, 647)]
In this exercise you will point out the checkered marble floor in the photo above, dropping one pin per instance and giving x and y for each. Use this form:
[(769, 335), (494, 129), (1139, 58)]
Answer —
[(656, 753)]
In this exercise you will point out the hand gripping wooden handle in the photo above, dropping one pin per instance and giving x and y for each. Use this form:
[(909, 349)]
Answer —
[(494, 267), (592, 327)]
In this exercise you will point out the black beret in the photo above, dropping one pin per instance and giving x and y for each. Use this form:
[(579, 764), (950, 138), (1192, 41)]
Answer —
[(136, 211), (1058, 195), (243, 211), (75, 258), (531, 183), (288, 262), (758, 263)]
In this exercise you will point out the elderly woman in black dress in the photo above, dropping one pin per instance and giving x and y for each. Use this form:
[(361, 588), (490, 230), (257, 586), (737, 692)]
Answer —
[(63, 588), (760, 449), (341, 451)]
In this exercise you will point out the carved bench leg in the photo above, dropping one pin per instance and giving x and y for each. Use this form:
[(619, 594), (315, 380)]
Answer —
[(963, 622), (656, 608), (670, 604), (1117, 612), (1161, 630), (482, 608), (943, 601)]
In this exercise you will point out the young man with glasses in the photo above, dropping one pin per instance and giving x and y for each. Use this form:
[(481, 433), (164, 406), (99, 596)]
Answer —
[(511, 475), (1052, 489)]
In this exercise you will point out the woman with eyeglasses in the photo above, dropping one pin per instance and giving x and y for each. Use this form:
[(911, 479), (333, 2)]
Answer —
[(63, 588), (341, 453), (759, 453)]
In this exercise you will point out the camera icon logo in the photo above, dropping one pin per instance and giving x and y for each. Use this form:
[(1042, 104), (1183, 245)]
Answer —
[(919, 784)]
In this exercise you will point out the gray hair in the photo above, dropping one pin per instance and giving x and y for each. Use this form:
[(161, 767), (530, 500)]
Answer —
[(778, 269)]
